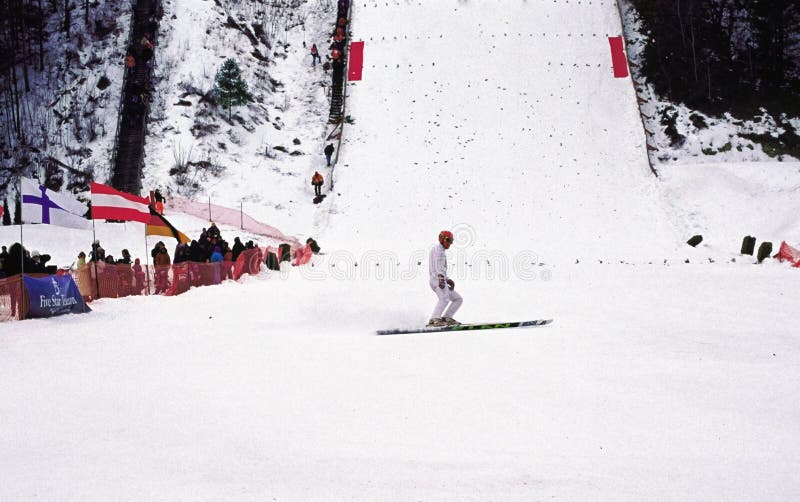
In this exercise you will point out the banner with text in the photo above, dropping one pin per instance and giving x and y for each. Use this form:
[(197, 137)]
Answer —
[(54, 295)]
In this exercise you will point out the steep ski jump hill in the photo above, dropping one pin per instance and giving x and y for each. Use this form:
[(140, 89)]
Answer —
[(501, 120)]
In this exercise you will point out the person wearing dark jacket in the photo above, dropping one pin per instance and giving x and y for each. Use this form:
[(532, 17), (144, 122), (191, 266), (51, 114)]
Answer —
[(314, 246), (195, 252), (181, 253), (237, 249), (14, 265), (39, 264), (126, 258), (213, 231), (329, 153), (17, 261), (3, 258), (97, 253)]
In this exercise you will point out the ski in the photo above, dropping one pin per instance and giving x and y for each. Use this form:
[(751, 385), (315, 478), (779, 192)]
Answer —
[(467, 327)]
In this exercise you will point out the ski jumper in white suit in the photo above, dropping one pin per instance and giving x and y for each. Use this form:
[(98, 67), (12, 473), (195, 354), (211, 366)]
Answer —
[(438, 275)]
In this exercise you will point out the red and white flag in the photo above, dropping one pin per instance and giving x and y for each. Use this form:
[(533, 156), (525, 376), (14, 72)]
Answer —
[(111, 204)]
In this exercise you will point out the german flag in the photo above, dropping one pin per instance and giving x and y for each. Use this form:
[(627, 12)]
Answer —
[(160, 226)]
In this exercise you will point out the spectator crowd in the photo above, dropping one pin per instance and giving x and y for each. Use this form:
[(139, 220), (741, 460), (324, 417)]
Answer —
[(210, 259)]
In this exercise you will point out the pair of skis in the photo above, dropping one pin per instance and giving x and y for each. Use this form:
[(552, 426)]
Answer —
[(467, 327)]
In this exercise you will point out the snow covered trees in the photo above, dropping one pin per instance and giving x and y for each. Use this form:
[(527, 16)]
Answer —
[(724, 55), (6, 212), (230, 88)]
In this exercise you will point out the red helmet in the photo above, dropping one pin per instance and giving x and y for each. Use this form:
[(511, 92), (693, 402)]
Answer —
[(445, 238)]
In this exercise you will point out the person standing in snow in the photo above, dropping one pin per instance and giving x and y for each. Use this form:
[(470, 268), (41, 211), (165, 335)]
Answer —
[(444, 287), (315, 55), (126, 258), (237, 249), (80, 263), (161, 263), (3, 258), (213, 232), (317, 181), (216, 260), (227, 262), (160, 200), (138, 277), (329, 153)]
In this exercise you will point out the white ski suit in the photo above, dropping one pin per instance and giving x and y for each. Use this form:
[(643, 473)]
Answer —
[(437, 265)]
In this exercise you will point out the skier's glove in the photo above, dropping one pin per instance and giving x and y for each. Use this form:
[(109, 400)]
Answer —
[(441, 282), (451, 284)]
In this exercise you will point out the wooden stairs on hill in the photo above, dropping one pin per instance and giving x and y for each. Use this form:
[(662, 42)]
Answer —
[(128, 159), (337, 101)]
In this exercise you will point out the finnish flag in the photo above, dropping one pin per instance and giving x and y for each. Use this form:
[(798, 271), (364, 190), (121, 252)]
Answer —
[(41, 205)]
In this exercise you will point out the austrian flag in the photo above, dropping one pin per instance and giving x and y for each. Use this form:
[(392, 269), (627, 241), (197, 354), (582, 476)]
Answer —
[(111, 204)]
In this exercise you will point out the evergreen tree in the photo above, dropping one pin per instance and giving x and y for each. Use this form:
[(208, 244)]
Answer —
[(774, 25), (723, 55), (6, 212), (18, 211), (230, 88)]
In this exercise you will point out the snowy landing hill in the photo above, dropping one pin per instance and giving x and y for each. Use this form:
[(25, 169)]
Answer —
[(503, 121)]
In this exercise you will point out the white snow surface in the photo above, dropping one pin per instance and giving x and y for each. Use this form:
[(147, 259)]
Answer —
[(670, 372)]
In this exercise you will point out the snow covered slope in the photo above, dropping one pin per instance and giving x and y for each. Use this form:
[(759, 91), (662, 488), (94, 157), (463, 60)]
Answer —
[(264, 157), (655, 382), (725, 202), (502, 119), (658, 381)]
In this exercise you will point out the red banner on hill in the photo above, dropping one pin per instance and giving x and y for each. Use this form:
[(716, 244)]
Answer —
[(618, 59), (356, 61)]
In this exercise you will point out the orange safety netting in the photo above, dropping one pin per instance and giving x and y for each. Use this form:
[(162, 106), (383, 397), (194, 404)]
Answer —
[(788, 253), (10, 298), (105, 280), (302, 255)]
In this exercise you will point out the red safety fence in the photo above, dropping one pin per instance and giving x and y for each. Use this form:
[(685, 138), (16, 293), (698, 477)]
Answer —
[(105, 280), (302, 255), (248, 262), (10, 298)]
